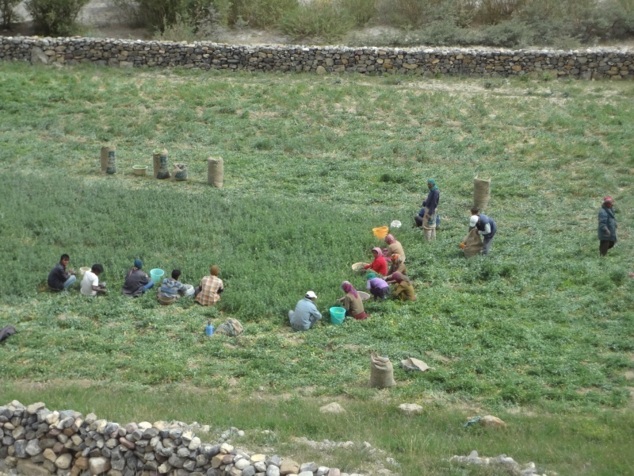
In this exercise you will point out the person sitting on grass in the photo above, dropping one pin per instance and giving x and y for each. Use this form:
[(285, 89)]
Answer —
[(171, 289), (403, 288), (137, 282), (377, 286), (305, 315), (379, 265), (210, 288), (393, 247), (90, 282), (396, 266), (60, 278), (352, 302)]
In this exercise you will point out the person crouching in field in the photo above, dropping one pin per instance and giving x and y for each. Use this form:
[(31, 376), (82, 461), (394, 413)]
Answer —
[(90, 282), (137, 282), (607, 226), (379, 265), (403, 288), (305, 315), (396, 266), (486, 228), (352, 302), (393, 247), (60, 278), (210, 288), (171, 289), (377, 286)]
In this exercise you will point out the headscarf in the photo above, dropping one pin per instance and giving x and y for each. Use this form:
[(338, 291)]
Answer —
[(433, 183), (397, 259), (370, 275), (398, 277), (607, 199), (378, 250), (349, 288), (138, 263), (214, 270), (389, 239)]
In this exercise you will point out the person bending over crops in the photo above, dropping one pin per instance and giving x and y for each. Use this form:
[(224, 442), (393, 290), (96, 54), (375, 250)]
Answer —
[(426, 217), (60, 278), (403, 288), (486, 228), (136, 281), (90, 282), (607, 226), (352, 302), (379, 265), (396, 266), (393, 247), (210, 288), (171, 289), (305, 315), (377, 286)]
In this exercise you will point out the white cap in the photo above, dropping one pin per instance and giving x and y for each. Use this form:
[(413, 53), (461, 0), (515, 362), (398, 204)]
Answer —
[(311, 295), (473, 220)]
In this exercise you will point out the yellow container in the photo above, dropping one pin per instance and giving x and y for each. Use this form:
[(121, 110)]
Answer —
[(380, 232)]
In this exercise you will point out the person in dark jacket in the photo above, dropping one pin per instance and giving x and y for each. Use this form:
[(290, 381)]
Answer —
[(426, 217), (60, 278), (486, 228), (607, 226), (136, 281)]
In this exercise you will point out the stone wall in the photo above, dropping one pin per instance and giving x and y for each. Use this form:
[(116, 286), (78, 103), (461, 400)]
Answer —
[(35, 441), (578, 64)]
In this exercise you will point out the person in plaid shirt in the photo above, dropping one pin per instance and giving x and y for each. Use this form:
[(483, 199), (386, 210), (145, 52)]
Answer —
[(208, 293)]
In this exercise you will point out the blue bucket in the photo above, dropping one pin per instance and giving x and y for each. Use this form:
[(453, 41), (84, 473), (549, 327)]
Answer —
[(337, 315)]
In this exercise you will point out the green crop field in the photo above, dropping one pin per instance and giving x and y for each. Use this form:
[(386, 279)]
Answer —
[(540, 333)]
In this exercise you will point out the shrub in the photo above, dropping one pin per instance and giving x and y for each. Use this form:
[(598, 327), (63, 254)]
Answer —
[(361, 11), (319, 18), (491, 12), (55, 17), (259, 13), (6, 12)]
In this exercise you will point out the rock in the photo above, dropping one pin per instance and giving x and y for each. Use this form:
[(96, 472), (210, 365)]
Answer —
[(272, 470), (288, 467), (332, 408), (49, 454), (35, 407), (31, 469), (226, 448), (312, 467), (98, 465), (33, 447), (320, 70), (63, 461), (334, 472), (410, 408)]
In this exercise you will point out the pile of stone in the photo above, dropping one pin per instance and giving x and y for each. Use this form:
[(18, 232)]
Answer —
[(501, 462), (35, 441)]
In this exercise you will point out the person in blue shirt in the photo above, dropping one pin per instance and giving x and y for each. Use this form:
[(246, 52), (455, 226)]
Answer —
[(607, 226), (171, 289), (305, 315), (486, 228), (426, 217)]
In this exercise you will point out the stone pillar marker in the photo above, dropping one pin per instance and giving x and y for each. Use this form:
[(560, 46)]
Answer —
[(215, 171)]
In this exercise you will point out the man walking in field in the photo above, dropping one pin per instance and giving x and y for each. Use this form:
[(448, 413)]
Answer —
[(607, 226)]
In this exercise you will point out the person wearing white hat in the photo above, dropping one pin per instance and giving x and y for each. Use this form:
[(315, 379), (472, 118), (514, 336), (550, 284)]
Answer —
[(305, 314), (486, 228)]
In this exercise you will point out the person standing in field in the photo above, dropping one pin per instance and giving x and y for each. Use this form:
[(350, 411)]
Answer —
[(90, 282), (607, 226), (426, 217), (305, 315), (486, 228), (352, 302), (137, 282), (210, 288), (60, 278)]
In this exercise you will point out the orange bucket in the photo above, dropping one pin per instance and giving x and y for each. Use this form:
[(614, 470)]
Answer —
[(380, 232)]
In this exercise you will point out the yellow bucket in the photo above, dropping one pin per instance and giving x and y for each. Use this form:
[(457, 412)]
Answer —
[(380, 232)]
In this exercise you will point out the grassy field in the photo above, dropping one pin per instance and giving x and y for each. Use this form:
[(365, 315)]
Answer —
[(541, 333)]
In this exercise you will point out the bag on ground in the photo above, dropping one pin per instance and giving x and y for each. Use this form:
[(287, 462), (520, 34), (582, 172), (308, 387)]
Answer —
[(381, 372)]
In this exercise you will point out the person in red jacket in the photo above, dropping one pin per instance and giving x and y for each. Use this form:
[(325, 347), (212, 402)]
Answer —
[(379, 265)]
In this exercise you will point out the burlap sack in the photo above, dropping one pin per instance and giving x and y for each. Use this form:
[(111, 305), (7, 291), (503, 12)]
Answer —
[(215, 171), (473, 243), (481, 193), (381, 372)]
